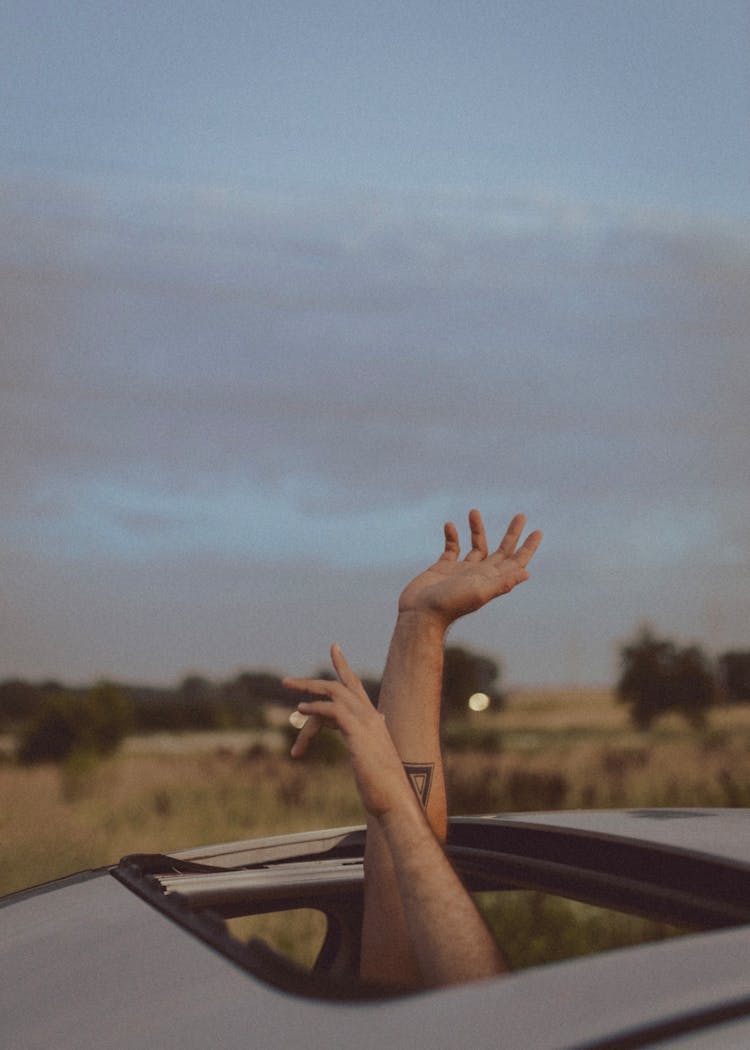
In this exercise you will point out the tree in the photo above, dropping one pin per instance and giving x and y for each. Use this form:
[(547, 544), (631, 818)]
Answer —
[(657, 677), (464, 674), (53, 733), (93, 722), (109, 715), (199, 704), (734, 674), (19, 701), (247, 695)]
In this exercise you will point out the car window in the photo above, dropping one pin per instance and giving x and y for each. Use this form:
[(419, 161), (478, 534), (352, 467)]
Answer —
[(297, 933), (532, 927)]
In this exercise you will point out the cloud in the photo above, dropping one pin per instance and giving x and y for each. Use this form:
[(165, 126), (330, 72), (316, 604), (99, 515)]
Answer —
[(190, 370)]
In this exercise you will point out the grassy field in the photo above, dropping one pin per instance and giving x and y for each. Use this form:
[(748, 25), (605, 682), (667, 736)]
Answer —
[(549, 749)]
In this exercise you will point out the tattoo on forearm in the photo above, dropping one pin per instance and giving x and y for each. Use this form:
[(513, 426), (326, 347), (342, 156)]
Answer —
[(420, 778)]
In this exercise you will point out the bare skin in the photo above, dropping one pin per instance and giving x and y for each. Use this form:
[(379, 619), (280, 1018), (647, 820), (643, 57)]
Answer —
[(410, 704), (448, 936)]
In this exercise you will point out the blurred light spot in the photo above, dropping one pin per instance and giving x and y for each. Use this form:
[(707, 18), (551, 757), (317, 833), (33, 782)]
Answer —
[(479, 701)]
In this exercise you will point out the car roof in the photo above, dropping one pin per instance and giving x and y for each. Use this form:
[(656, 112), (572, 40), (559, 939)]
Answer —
[(92, 965), (717, 833), (666, 865), (87, 963)]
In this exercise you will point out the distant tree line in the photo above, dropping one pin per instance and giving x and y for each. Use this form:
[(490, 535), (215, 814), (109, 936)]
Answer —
[(52, 721)]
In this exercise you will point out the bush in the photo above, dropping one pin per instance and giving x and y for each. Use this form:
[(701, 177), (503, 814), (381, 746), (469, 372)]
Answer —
[(19, 701), (93, 723), (479, 785), (734, 673), (474, 785), (529, 789)]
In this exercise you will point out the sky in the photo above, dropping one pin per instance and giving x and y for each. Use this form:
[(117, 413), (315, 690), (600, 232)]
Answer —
[(284, 286)]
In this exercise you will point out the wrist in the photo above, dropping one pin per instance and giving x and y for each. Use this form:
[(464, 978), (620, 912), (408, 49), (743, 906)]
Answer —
[(404, 822), (424, 622)]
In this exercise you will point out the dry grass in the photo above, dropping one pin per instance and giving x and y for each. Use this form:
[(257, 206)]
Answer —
[(57, 820), (570, 708), (701, 772), (574, 748), (559, 749)]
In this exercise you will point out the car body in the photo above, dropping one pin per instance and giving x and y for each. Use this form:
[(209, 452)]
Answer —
[(138, 954)]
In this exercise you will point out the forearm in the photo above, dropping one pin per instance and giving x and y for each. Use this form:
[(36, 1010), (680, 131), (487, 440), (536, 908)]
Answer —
[(450, 939), (429, 930), (410, 702)]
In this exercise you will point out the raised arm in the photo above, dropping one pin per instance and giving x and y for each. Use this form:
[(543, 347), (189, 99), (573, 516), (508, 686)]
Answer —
[(448, 937), (410, 703), (413, 675)]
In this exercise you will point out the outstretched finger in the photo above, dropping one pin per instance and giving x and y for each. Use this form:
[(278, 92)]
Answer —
[(311, 726), (316, 686), (478, 537), (528, 549), (345, 674), (512, 535), (452, 548)]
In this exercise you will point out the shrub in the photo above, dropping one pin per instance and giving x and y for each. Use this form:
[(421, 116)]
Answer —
[(529, 789), (734, 673), (19, 701), (474, 786), (94, 722)]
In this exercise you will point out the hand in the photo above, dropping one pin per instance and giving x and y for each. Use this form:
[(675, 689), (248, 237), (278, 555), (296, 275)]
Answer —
[(451, 588), (380, 776)]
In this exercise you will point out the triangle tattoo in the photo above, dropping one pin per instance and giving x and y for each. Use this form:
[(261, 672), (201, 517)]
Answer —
[(420, 778)]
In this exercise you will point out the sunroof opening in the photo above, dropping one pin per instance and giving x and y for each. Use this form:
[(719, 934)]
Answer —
[(294, 919), (298, 934), (534, 928)]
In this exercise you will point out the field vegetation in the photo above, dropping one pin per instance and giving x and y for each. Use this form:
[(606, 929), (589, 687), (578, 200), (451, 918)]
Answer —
[(545, 749)]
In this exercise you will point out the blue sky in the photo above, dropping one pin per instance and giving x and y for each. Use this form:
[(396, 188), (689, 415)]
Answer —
[(284, 286)]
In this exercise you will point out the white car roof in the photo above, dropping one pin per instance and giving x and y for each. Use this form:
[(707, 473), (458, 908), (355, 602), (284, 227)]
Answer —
[(91, 965), (719, 833), (86, 963)]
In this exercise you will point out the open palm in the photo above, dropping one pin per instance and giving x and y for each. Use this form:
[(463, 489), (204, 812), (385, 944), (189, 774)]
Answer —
[(451, 588)]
